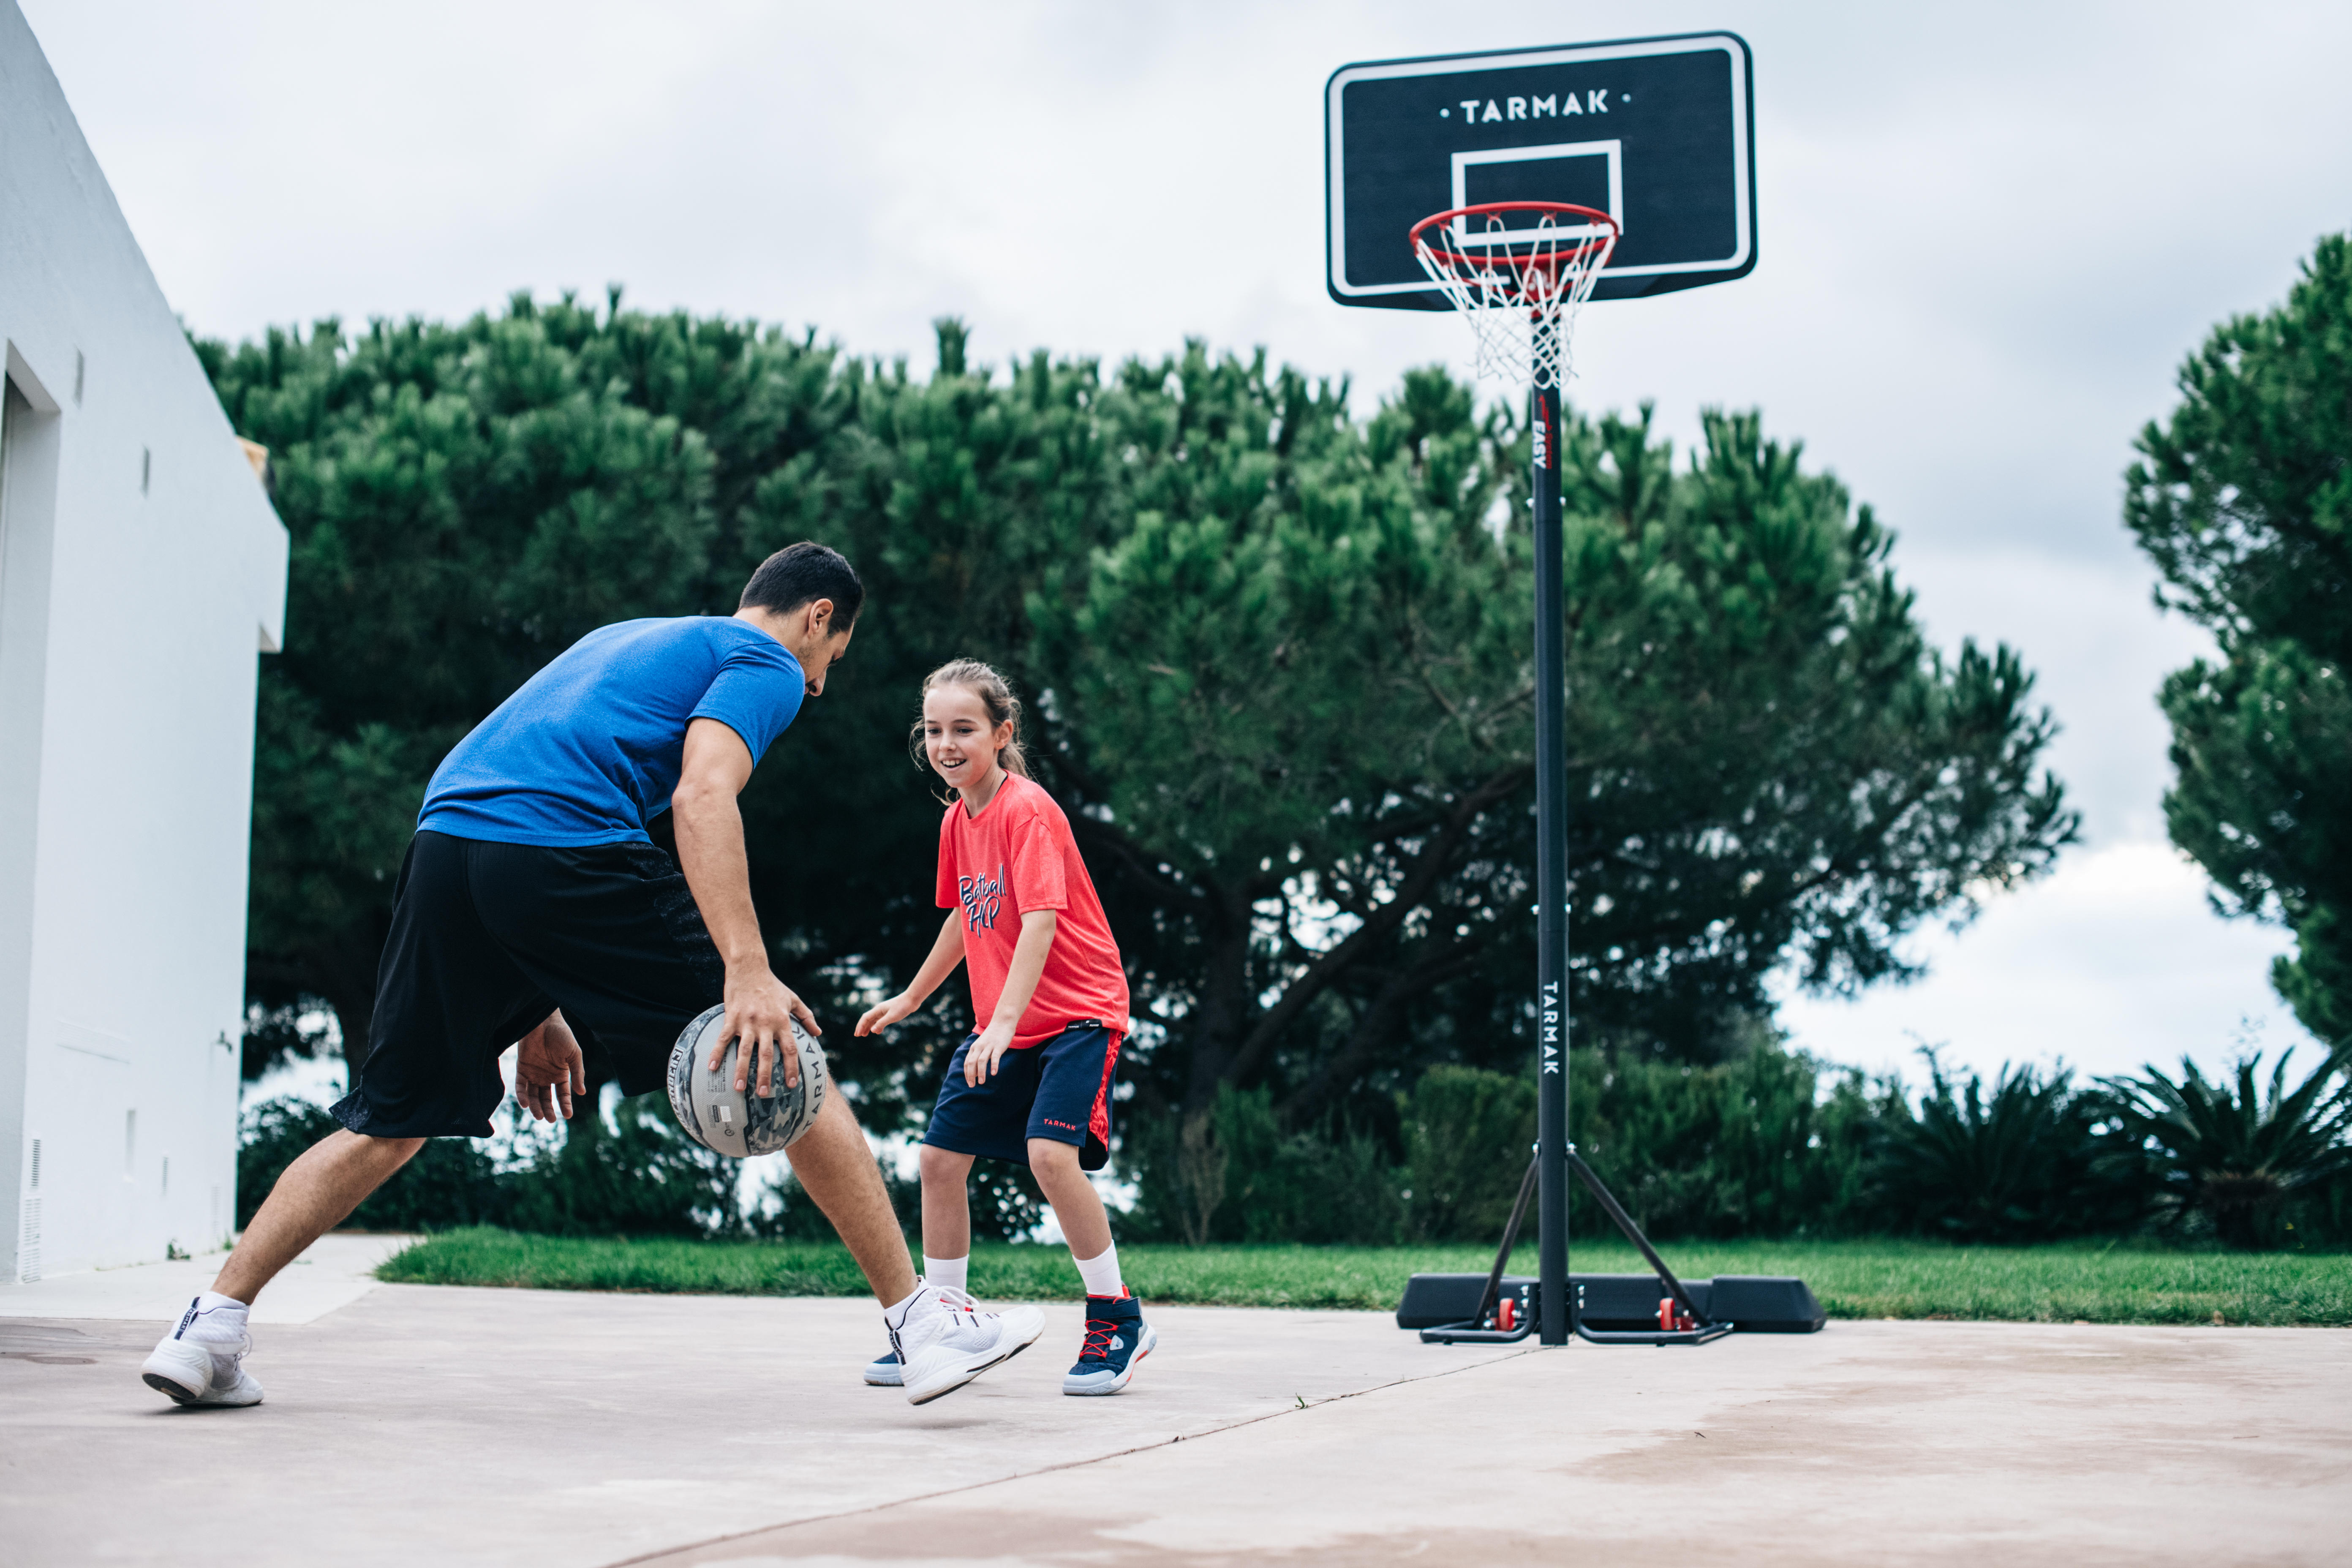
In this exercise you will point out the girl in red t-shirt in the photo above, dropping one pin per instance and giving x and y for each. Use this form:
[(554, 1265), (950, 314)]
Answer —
[(1032, 1084)]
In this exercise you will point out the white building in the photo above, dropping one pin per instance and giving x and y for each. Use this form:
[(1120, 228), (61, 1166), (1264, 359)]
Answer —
[(140, 568)]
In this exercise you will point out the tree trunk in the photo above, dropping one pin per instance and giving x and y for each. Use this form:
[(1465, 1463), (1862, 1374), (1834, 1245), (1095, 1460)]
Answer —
[(1225, 1008)]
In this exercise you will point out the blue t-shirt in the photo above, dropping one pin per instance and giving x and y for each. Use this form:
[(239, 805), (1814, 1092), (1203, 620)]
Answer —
[(589, 750)]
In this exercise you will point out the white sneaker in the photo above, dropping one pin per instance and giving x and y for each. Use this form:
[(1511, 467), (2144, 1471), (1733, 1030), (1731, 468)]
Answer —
[(202, 1362), (944, 1341), (884, 1371)]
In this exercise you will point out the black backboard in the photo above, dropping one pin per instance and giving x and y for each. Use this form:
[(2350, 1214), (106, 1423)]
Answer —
[(1658, 132)]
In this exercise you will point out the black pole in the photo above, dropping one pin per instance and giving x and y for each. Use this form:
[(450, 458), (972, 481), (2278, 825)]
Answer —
[(1551, 878)]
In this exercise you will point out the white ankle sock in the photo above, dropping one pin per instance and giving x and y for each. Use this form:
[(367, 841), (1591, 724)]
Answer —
[(212, 1301), (947, 1273), (896, 1312), (1101, 1273)]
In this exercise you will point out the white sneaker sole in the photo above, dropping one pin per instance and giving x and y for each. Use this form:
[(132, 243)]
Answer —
[(184, 1374), (931, 1376), (1099, 1382), (884, 1374)]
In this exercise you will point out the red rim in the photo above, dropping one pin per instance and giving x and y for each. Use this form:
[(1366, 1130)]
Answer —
[(1569, 250)]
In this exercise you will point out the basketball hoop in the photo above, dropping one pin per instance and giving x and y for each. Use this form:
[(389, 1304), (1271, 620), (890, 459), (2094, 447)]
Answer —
[(1519, 287), (1677, 162)]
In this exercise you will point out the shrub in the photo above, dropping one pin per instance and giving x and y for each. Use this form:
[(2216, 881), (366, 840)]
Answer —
[(2233, 1154), (1749, 1147), (2022, 1163), (634, 1174), (1327, 1183), (1241, 1177), (450, 1182), (1468, 1135), (783, 1212), (1166, 1205), (638, 1175), (2319, 1215), (1006, 1202)]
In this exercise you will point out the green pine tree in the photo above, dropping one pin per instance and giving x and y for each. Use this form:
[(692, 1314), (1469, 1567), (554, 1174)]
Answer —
[(2243, 500), (1277, 657)]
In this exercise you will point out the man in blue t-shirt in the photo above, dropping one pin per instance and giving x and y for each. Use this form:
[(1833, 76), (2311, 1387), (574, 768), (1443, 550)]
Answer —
[(533, 910)]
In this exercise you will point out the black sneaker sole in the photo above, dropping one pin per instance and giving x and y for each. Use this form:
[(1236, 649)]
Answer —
[(969, 1377), (165, 1386), (963, 1382)]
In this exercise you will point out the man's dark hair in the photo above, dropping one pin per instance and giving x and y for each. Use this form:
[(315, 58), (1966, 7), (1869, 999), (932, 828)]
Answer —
[(800, 573)]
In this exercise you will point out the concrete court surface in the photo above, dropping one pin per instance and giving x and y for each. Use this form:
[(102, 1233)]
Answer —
[(463, 1426)]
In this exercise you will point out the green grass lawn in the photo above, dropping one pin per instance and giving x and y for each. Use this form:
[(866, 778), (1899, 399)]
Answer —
[(2125, 1283)]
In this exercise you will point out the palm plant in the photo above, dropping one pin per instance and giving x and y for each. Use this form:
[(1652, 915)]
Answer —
[(2022, 1162), (2235, 1152)]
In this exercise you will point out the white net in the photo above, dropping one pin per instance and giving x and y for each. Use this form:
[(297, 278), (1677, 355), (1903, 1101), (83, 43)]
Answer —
[(1519, 287)]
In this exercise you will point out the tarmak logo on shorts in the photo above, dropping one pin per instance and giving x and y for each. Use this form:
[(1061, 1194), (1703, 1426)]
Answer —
[(1068, 1126), (982, 895)]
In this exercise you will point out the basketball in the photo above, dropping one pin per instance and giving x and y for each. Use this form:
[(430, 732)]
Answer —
[(740, 1122)]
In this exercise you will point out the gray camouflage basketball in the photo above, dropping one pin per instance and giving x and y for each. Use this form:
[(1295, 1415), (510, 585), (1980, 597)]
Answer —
[(739, 1121)]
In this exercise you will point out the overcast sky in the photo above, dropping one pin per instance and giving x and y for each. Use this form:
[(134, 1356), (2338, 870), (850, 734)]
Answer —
[(1987, 236)]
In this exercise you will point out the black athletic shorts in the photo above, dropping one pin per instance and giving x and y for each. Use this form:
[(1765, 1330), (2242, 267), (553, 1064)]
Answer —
[(489, 939)]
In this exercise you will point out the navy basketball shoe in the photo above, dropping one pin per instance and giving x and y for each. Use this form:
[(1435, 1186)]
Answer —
[(1117, 1339)]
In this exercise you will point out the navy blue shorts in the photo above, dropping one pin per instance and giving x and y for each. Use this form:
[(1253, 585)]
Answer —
[(1060, 1090)]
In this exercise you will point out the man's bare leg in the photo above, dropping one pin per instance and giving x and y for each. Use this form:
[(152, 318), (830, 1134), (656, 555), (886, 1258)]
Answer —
[(935, 1345), (837, 1171), (315, 1194), (201, 1359)]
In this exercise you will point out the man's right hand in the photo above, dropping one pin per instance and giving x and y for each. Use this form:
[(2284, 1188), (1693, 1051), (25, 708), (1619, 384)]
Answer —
[(760, 1010), (550, 1069)]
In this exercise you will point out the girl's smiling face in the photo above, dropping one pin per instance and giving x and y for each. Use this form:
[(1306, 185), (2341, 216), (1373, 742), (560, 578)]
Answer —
[(959, 742)]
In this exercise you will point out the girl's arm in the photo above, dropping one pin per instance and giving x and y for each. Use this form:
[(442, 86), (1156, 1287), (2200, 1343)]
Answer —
[(946, 953), (1028, 967)]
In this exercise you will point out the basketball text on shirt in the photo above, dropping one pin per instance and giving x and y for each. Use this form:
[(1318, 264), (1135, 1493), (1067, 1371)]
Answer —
[(982, 895)]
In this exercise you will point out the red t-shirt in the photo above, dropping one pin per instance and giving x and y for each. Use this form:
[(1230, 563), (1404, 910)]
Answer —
[(1016, 855)]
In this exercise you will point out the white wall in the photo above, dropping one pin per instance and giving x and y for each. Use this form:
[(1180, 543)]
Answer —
[(140, 568)]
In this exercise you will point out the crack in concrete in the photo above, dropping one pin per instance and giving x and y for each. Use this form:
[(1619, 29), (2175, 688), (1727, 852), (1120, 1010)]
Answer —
[(668, 1552)]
